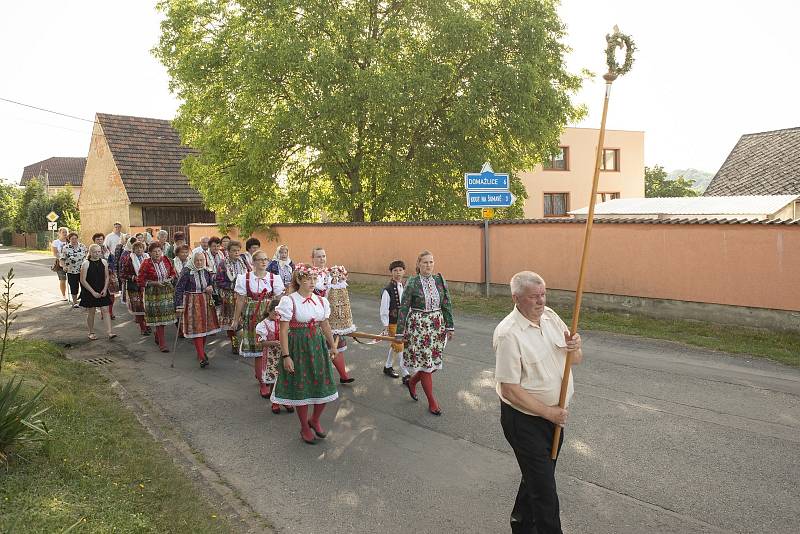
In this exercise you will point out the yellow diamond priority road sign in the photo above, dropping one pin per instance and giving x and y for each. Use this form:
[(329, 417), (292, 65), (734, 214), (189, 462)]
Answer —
[(52, 216)]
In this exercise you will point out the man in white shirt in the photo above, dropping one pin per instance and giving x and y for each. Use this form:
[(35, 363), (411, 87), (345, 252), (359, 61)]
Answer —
[(531, 346), (391, 297), (114, 238)]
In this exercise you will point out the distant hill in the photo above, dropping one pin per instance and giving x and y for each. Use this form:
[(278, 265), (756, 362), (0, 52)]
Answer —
[(701, 178)]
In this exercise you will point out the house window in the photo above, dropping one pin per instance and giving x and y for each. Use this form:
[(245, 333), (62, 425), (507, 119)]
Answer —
[(610, 160), (559, 162), (556, 204), (603, 197)]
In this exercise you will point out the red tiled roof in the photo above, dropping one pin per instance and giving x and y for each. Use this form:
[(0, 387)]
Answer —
[(148, 154), (60, 171)]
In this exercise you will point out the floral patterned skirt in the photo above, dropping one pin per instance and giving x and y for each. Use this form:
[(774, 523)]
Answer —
[(312, 381), (250, 347), (113, 283), (159, 305), (228, 308), (272, 356), (199, 318), (426, 338)]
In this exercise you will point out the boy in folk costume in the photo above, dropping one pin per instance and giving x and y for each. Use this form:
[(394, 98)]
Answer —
[(322, 288), (391, 297), (268, 334)]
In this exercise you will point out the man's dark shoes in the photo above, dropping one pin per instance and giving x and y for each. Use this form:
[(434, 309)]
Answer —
[(389, 371)]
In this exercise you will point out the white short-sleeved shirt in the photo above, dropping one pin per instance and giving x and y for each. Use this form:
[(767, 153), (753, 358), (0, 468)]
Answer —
[(257, 285), (316, 308), (265, 330), (112, 240), (531, 356), (57, 244)]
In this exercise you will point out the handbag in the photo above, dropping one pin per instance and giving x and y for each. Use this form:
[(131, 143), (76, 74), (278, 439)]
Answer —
[(56, 266)]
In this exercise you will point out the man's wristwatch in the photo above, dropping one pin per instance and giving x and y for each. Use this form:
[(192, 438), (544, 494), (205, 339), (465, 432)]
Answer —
[(285, 355)]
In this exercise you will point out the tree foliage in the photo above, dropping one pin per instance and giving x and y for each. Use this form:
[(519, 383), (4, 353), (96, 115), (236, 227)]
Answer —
[(9, 203), (34, 205), (656, 184), (363, 110)]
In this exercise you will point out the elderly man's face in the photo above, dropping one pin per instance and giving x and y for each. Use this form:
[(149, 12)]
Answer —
[(319, 259), (204, 243), (531, 300)]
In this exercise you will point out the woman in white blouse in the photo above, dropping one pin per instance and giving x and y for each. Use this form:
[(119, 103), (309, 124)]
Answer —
[(306, 374)]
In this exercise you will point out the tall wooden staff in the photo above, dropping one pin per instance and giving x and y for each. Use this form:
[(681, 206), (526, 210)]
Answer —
[(615, 40)]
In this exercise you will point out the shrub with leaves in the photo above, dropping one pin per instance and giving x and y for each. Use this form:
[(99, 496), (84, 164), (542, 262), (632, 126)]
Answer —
[(20, 419)]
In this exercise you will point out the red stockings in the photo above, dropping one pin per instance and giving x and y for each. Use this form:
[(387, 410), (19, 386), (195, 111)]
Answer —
[(341, 366), (162, 344), (200, 347), (427, 387), (305, 430)]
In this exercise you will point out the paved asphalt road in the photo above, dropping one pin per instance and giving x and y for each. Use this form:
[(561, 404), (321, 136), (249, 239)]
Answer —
[(662, 437)]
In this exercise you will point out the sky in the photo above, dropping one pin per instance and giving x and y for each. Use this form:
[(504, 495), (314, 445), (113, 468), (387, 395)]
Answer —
[(706, 72)]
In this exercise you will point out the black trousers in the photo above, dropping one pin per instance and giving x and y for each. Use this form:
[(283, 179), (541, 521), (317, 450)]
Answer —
[(536, 508), (74, 281)]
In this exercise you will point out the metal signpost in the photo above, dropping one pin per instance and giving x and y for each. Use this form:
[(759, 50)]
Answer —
[(487, 190), (52, 225)]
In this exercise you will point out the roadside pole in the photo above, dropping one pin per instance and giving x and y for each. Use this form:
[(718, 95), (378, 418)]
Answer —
[(487, 190)]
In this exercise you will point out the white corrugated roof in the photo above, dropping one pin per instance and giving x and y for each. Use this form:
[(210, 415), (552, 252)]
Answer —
[(733, 205)]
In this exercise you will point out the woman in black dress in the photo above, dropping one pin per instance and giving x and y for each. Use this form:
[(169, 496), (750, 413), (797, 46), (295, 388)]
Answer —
[(94, 289)]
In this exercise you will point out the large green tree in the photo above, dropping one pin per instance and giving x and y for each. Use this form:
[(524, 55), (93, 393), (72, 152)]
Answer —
[(657, 184), (9, 203), (363, 110)]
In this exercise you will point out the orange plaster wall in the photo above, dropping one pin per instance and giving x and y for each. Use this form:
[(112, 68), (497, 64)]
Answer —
[(741, 265)]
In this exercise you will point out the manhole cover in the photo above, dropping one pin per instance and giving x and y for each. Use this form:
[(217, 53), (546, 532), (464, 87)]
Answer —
[(99, 361)]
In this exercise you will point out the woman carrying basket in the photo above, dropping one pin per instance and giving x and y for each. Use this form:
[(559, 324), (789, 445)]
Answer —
[(156, 276)]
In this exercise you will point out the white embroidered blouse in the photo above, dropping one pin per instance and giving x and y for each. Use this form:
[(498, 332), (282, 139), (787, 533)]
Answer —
[(304, 309)]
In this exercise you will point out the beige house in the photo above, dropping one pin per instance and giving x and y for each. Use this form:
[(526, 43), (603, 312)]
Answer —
[(133, 175), (57, 173), (564, 183)]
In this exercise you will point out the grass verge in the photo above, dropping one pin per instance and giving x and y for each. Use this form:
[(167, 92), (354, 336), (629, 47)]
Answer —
[(778, 345), (100, 471)]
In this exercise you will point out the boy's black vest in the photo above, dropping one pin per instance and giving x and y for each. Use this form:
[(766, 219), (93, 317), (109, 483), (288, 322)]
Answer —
[(394, 301)]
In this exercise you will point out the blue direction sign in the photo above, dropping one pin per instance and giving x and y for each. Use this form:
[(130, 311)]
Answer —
[(486, 180), (490, 199)]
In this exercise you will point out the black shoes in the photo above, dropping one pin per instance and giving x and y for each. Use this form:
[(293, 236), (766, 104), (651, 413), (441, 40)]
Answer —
[(203, 362), (389, 371), (347, 380), (406, 379)]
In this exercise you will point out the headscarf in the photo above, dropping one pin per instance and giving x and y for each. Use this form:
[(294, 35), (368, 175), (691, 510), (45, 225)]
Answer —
[(277, 256), (193, 269), (197, 272)]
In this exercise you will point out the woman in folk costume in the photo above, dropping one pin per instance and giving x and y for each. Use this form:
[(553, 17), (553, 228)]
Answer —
[(195, 305), (306, 374), (225, 280), (322, 286), (268, 332), (156, 276), (254, 290), (250, 248), (425, 321), (132, 265), (282, 264)]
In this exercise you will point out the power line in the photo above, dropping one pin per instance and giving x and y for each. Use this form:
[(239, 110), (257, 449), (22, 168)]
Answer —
[(46, 110)]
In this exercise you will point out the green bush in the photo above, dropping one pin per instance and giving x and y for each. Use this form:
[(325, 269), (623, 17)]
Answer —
[(20, 419), (6, 237)]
